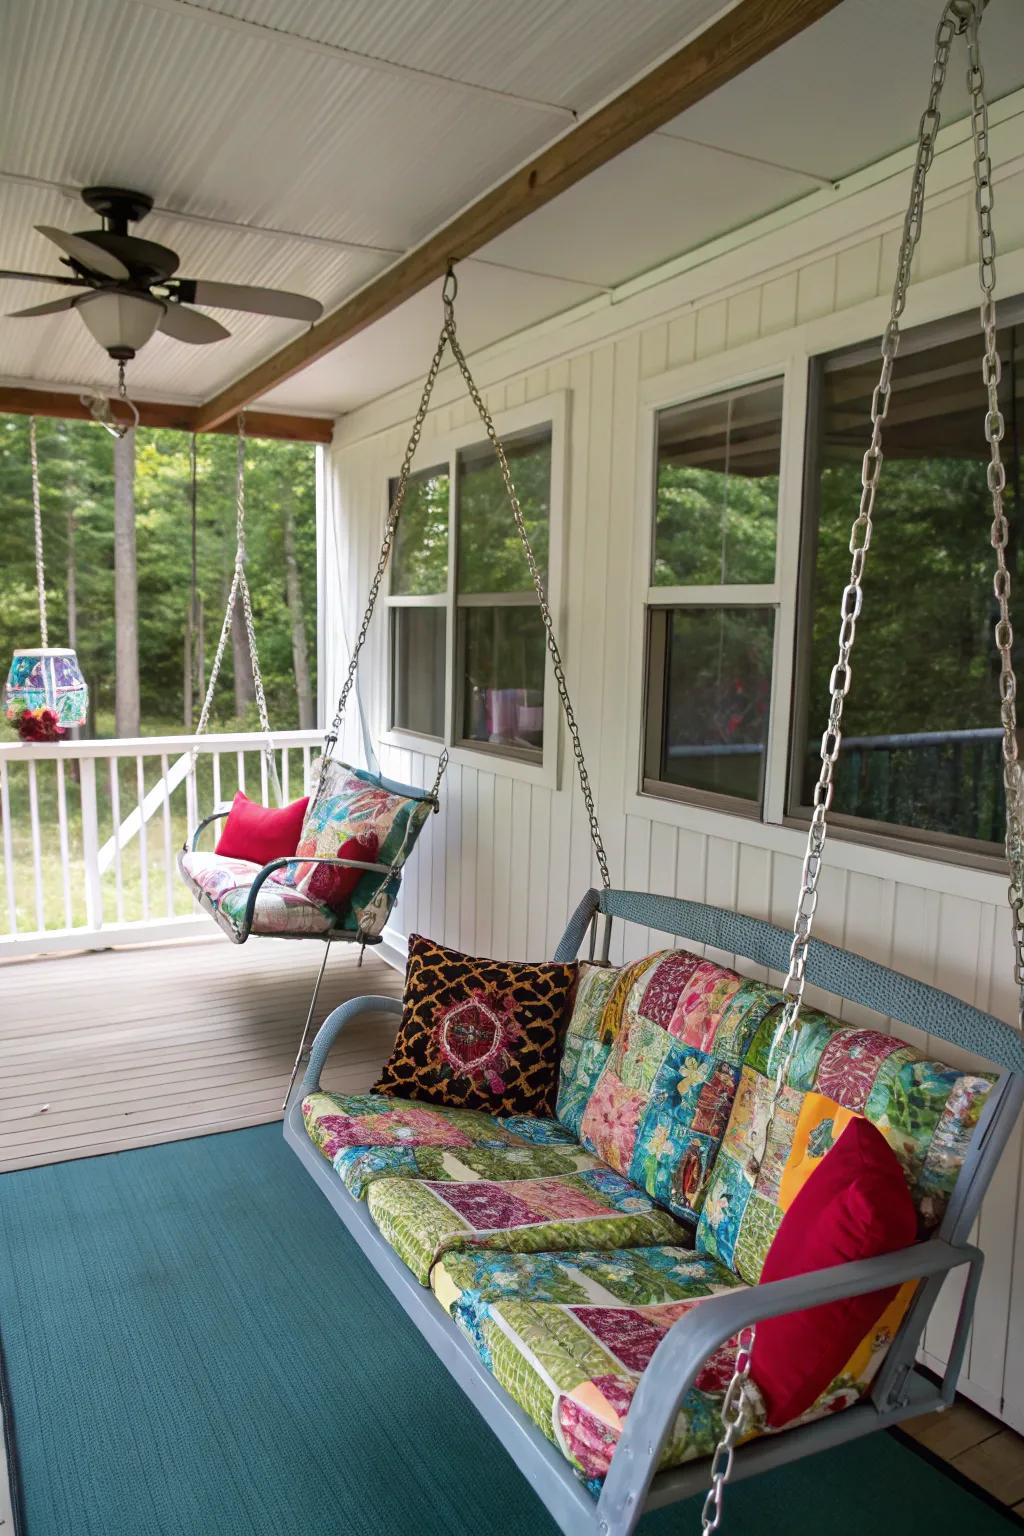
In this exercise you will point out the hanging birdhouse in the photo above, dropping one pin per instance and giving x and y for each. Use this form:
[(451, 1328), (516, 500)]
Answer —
[(45, 681)]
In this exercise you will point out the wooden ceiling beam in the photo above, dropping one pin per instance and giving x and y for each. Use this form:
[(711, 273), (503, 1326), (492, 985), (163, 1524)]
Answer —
[(178, 418), (724, 50)]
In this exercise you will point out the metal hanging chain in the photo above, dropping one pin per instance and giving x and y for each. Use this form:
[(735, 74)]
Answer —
[(240, 587), (37, 522), (958, 16), (538, 585), (995, 427), (390, 529)]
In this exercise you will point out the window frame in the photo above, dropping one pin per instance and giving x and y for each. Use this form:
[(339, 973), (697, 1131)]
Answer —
[(950, 848), (440, 453), (691, 385)]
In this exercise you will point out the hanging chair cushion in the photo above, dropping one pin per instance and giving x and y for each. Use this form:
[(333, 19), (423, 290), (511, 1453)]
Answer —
[(352, 803), (422, 1219), (855, 1205), (260, 833), (568, 1335), (926, 1111), (673, 1030), (366, 1137), (479, 1034), (221, 885), (333, 884)]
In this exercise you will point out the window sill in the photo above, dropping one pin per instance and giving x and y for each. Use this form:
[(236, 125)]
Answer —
[(528, 770)]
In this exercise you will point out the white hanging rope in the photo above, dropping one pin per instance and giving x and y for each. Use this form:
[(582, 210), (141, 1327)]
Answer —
[(240, 587), (37, 518)]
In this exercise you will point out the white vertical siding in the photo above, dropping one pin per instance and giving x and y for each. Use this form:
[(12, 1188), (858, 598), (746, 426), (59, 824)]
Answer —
[(502, 865)]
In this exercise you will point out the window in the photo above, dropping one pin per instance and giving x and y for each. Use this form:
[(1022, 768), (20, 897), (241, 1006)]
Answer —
[(462, 597), (921, 747), (419, 611), (712, 599)]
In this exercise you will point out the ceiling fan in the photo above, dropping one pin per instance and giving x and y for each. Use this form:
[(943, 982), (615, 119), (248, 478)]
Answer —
[(127, 290)]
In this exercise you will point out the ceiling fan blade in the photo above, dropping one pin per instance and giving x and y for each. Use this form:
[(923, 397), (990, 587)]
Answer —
[(54, 307), (255, 301), (189, 325), (45, 277), (81, 249)]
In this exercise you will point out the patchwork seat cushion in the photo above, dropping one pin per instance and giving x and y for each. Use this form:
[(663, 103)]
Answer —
[(926, 1111), (221, 885), (366, 1137), (594, 1207), (568, 1335)]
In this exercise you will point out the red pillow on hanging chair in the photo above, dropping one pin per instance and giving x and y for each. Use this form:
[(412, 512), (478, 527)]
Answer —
[(259, 833), (855, 1205), (333, 884)]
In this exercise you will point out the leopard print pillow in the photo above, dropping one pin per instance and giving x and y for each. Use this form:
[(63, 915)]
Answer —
[(479, 1034)]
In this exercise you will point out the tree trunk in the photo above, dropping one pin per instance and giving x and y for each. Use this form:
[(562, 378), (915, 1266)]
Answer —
[(126, 594), (75, 732), (300, 651), (186, 713), (245, 688)]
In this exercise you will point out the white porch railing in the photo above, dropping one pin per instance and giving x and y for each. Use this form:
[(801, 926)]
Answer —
[(92, 829)]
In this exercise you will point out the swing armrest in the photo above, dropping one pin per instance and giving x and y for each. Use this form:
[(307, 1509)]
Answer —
[(691, 1341), (295, 858), (332, 1026), (216, 815)]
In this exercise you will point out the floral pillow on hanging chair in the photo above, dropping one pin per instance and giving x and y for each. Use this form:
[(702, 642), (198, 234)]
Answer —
[(353, 803)]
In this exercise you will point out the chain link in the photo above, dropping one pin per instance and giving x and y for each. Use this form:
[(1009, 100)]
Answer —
[(240, 588), (37, 523), (390, 529), (538, 585), (448, 338), (995, 427), (954, 19)]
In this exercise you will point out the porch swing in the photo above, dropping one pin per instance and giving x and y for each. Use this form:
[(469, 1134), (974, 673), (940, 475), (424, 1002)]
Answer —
[(661, 1437), (289, 896)]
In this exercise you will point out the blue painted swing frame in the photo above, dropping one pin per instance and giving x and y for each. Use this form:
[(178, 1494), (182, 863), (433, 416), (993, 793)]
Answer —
[(900, 1391)]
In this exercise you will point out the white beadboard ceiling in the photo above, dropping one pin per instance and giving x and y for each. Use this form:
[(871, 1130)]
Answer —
[(307, 143)]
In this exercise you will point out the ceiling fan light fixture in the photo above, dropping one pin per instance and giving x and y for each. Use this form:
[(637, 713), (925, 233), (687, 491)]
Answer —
[(122, 323)]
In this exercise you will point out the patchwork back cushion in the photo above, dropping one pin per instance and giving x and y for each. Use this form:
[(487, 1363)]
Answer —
[(353, 803), (479, 1034), (653, 1058), (926, 1111)]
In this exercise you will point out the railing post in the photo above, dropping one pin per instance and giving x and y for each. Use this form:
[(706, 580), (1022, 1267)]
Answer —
[(91, 846)]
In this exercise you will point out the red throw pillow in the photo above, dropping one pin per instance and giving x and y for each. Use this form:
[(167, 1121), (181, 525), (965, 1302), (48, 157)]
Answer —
[(333, 884), (855, 1205), (258, 833)]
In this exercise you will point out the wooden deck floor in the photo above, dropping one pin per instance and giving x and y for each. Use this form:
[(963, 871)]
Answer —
[(99, 1052)]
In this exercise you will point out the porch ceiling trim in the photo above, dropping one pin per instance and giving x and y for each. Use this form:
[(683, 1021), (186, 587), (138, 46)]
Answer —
[(17, 401), (733, 43)]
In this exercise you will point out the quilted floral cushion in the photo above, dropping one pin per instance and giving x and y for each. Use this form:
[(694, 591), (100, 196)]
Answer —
[(568, 1335), (221, 885), (676, 1029), (350, 804), (588, 1038), (926, 1111), (479, 1034), (366, 1137), (594, 1208)]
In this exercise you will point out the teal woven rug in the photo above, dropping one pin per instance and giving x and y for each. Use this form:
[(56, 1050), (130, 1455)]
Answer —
[(195, 1347)]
